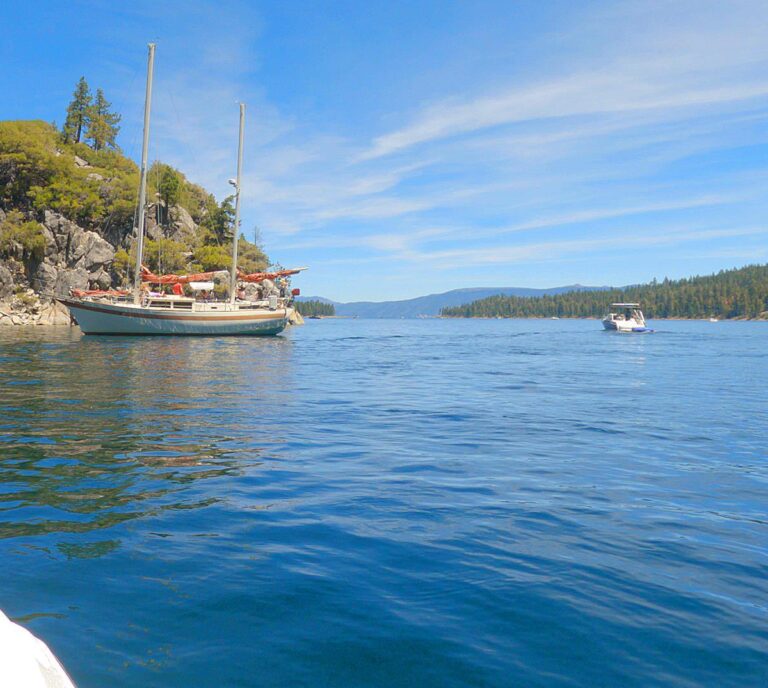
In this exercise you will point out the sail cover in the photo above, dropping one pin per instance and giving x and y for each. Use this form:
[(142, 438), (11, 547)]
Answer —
[(80, 293), (261, 276), (148, 276)]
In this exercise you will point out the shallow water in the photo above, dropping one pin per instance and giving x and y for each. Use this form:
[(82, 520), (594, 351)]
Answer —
[(391, 503)]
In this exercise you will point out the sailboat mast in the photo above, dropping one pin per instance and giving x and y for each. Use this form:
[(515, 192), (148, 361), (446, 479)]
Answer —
[(236, 233), (143, 184)]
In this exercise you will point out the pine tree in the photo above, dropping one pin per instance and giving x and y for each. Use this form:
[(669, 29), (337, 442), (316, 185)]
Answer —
[(78, 112), (169, 188), (102, 124)]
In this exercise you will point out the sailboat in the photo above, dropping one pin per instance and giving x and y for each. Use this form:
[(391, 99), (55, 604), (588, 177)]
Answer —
[(143, 312)]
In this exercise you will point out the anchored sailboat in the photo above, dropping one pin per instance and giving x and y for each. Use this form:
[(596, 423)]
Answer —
[(144, 312)]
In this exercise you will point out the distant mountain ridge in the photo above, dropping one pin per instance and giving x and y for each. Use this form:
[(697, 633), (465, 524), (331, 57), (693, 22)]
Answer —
[(431, 304)]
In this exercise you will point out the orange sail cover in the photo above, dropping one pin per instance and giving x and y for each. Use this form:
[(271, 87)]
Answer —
[(261, 276), (80, 293), (148, 276)]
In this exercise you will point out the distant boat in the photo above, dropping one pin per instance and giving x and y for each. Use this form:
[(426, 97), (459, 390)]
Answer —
[(554, 317), (625, 317), (713, 320)]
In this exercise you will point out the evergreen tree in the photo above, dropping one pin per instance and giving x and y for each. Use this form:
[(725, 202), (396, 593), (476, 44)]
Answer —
[(169, 189), (219, 220), (102, 124), (311, 308), (78, 113)]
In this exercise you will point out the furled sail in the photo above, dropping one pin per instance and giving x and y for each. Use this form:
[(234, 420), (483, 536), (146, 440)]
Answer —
[(80, 293), (148, 276), (261, 276)]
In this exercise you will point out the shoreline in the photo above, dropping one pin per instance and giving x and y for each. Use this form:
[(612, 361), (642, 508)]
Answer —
[(572, 317)]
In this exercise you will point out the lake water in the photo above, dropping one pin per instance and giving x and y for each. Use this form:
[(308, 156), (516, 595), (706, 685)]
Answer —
[(391, 503)]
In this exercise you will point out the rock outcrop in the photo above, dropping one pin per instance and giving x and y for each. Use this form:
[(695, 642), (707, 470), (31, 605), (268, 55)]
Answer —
[(73, 258), (6, 283), (179, 225)]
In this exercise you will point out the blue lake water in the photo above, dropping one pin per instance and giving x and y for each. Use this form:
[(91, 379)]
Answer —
[(391, 503)]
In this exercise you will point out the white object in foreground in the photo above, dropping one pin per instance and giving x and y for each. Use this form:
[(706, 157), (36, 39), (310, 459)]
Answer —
[(26, 661)]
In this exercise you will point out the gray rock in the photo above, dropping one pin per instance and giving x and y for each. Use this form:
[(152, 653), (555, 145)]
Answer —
[(6, 282), (79, 162), (71, 279), (100, 279), (44, 279), (51, 247), (180, 226), (54, 314), (74, 246), (252, 292), (96, 251), (185, 228), (66, 234)]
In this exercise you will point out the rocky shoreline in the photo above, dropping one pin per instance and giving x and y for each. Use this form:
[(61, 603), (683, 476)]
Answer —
[(73, 258)]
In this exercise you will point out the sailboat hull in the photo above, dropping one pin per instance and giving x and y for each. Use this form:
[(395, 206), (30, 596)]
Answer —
[(128, 319)]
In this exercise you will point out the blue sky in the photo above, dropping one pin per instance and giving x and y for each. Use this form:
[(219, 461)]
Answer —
[(403, 148)]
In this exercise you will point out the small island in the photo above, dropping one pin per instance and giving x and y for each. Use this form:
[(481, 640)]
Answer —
[(67, 200), (313, 308)]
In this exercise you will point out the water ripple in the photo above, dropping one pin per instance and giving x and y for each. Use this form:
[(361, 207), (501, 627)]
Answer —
[(391, 503)]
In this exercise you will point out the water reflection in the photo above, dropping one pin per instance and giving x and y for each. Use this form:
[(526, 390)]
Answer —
[(95, 432)]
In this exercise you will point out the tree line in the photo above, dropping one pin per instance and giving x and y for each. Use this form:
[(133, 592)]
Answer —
[(310, 308), (737, 293)]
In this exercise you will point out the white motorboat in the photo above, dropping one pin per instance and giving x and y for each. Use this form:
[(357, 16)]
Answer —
[(625, 317), (141, 312)]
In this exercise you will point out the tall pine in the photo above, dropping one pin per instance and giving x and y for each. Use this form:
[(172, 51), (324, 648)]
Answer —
[(78, 113), (102, 123)]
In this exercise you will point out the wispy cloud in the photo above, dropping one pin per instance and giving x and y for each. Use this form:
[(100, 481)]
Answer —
[(557, 249), (636, 115)]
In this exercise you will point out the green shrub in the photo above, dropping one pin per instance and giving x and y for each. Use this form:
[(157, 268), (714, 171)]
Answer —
[(250, 258), (165, 255), (21, 239), (212, 258)]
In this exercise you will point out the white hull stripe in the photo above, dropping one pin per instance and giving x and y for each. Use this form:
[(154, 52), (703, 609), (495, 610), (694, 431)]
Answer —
[(224, 316)]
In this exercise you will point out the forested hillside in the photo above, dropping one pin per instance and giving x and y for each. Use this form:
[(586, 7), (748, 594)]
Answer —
[(738, 293), (67, 204)]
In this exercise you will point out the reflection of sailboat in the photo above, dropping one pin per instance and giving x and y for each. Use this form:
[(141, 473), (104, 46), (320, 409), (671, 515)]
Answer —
[(120, 312), (163, 422)]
